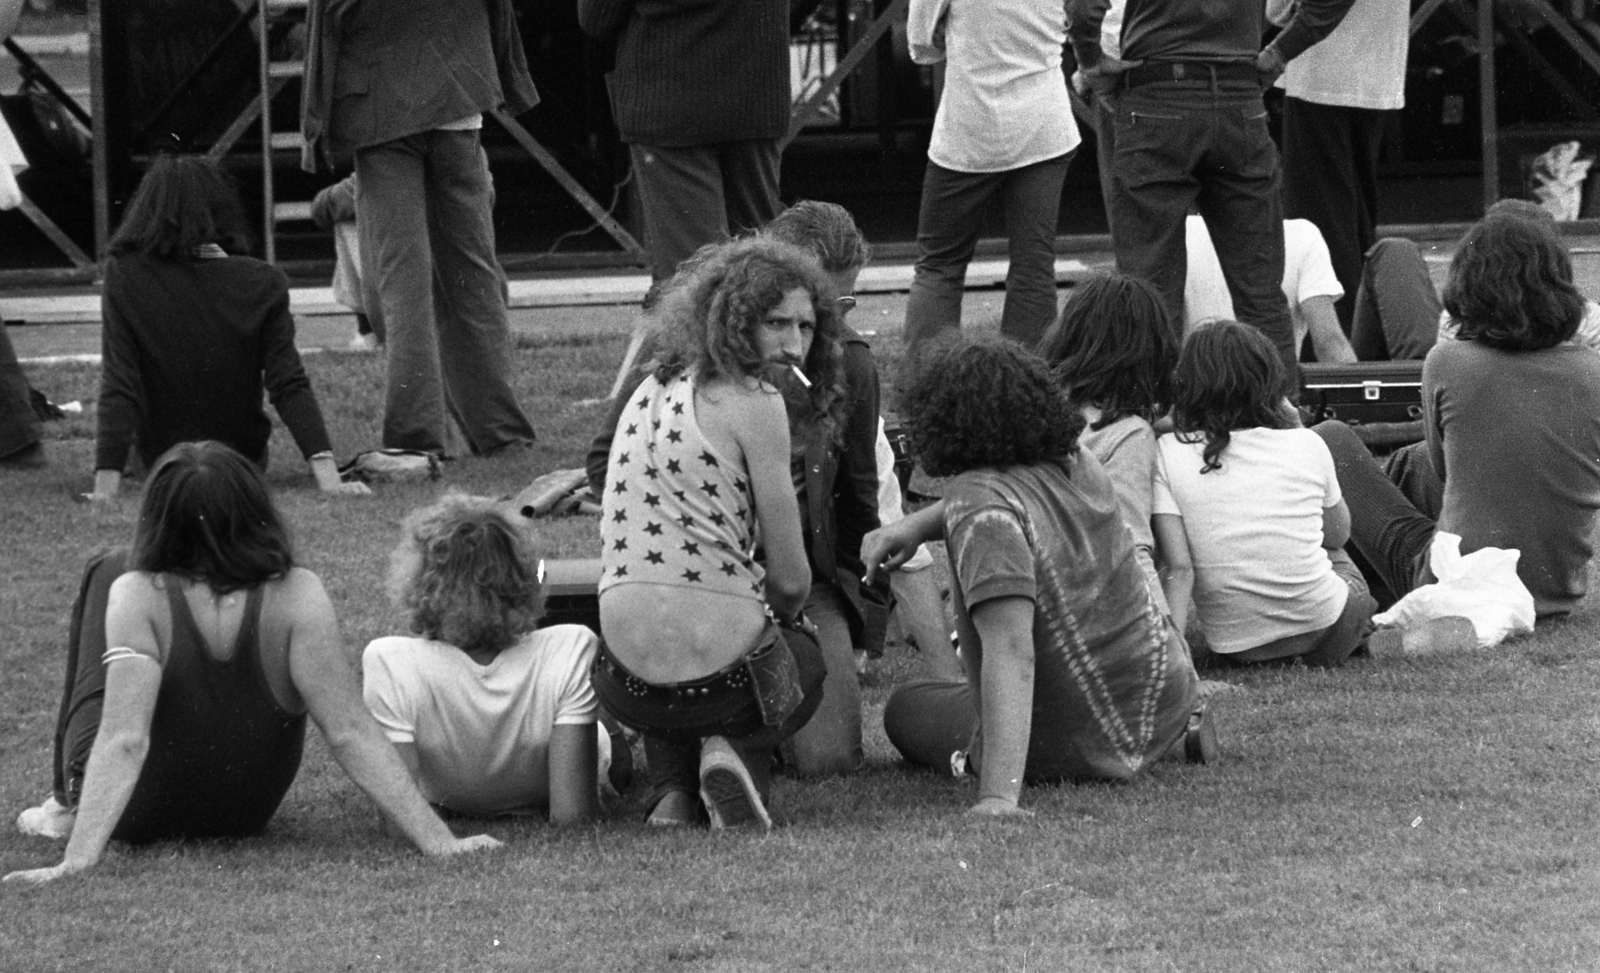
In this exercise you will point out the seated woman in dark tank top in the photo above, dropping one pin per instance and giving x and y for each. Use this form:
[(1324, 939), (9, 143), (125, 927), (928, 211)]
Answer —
[(215, 649)]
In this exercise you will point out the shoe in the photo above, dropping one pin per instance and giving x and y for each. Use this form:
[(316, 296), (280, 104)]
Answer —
[(676, 809), (48, 820), (364, 342), (1436, 636), (1200, 738), (726, 788)]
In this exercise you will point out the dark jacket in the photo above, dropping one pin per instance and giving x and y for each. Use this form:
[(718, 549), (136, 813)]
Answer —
[(379, 72), (841, 483)]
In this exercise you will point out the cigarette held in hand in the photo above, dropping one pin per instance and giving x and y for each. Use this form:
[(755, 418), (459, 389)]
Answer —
[(800, 375)]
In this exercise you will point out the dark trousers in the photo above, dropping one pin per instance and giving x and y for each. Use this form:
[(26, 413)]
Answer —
[(675, 727), (1393, 509), (948, 224), (693, 195), (1397, 308), (1330, 177), (84, 692), (927, 720), (1203, 145), (427, 234), (19, 427)]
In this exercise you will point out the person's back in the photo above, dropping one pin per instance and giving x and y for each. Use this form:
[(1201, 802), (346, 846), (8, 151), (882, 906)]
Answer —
[(1516, 438)]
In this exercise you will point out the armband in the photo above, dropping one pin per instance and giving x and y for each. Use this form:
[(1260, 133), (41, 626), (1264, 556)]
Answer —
[(120, 652)]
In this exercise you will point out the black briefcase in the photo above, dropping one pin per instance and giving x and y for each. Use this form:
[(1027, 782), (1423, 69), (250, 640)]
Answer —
[(1381, 400)]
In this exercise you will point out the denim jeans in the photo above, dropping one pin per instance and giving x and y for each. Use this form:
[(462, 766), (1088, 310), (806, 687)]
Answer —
[(1203, 144), (693, 195), (674, 730), (830, 743), (1397, 307), (1393, 509), (427, 233), (19, 427), (948, 225)]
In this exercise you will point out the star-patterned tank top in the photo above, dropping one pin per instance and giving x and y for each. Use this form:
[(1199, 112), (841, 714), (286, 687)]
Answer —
[(676, 511)]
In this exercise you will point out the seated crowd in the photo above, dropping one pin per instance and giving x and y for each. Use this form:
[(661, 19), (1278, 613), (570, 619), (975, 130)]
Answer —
[(1106, 497)]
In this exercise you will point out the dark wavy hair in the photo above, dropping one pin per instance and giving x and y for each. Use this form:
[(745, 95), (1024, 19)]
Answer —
[(708, 312), (1229, 376), (468, 574), (1510, 283), (206, 516), (184, 201), (987, 402), (826, 230), (1114, 347)]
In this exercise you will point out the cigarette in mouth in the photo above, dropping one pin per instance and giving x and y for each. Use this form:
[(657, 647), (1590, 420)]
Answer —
[(800, 375)]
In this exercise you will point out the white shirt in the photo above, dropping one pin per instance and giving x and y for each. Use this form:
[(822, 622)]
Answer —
[(1005, 101), (1362, 64), (1255, 533), (1307, 273), (482, 732)]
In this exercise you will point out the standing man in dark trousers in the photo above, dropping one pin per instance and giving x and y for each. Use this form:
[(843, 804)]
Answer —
[(1191, 132), (404, 85), (700, 93)]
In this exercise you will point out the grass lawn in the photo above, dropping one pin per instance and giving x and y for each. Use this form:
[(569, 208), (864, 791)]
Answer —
[(1422, 816)]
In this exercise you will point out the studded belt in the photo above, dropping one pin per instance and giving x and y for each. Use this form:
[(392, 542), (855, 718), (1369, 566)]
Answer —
[(734, 677)]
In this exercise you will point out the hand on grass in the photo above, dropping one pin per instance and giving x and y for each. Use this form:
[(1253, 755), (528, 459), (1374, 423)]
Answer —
[(997, 807), (355, 488), (39, 876), (466, 846)]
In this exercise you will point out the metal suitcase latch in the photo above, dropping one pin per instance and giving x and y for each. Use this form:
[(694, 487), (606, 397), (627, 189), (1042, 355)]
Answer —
[(1371, 391)]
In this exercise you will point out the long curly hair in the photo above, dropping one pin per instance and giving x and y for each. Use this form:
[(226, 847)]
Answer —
[(708, 312), (1510, 283), (1229, 376), (182, 202), (1114, 347), (987, 402), (467, 574), (206, 516)]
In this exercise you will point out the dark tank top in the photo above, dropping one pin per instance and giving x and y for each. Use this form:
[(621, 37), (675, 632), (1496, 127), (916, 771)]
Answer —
[(222, 751)]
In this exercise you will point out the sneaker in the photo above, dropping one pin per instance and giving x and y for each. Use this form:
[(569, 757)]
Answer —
[(364, 342), (1436, 636), (48, 820), (1200, 738), (726, 788), (676, 809)]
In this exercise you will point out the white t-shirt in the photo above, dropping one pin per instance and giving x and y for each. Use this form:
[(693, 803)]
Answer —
[(1307, 273), (1005, 101), (1255, 533), (482, 733), (890, 509), (1362, 64)]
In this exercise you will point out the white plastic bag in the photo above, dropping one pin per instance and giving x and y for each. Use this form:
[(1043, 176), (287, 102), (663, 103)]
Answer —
[(1483, 586)]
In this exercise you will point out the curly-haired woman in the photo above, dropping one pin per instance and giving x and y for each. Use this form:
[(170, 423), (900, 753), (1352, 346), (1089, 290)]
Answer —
[(706, 650), (492, 715), (1073, 672), (1511, 411)]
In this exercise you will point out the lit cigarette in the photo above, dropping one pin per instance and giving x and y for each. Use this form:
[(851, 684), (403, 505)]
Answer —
[(800, 375)]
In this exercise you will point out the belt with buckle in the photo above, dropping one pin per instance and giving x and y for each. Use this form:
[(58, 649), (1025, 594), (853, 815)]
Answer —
[(1152, 72)]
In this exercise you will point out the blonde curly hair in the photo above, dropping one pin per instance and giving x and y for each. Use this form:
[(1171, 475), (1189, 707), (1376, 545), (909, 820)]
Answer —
[(468, 575)]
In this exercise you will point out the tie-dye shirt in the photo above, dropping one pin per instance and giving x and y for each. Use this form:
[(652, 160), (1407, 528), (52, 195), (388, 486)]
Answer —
[(1112, 690)]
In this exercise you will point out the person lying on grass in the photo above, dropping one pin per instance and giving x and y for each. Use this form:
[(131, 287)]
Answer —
[(492, 715), (1073, 671), (190, 678), (707, 651)]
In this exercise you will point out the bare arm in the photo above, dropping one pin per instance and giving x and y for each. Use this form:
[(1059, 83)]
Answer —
[(325, 681), (1005, 706), (1177, 566), (1335, 526), (1327, 338), (123, 741), (574, 756), (889, 547), (761, 427)]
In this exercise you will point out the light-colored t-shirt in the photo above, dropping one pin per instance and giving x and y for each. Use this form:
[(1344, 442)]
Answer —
[(1362, 64), (1307, 273), (482, 732), (890, 509), (1255, 534), (1126, 450), (1005, 102)]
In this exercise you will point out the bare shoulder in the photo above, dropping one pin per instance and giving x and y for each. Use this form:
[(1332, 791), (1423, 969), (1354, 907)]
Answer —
[(296, 597), (138, 588)]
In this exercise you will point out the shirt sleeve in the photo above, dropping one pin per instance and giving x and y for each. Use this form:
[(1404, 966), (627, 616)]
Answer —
[(121, 395), (1131, 465), (288, 387), (1311, 264), (577, 703), (384, 690), (922, 19), (1161, 499), (989, 552)]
